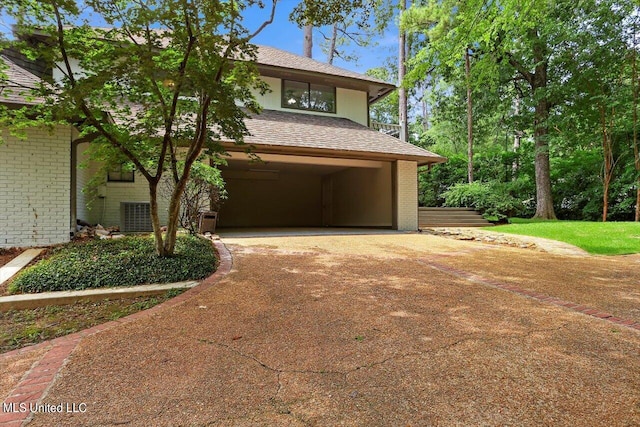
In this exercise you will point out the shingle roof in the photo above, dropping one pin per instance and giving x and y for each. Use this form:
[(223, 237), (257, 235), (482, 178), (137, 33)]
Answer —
[(272, 56), (280, 129), (16, 87)]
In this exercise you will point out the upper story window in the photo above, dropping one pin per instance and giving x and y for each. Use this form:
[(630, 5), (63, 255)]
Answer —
[(308, 96), (120, 174)]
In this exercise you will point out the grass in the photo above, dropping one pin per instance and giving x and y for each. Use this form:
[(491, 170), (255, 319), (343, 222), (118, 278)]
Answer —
[(599, 238), (20, 328), (119, 262)]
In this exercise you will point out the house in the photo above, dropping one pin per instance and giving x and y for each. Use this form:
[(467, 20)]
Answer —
[(321, 163)]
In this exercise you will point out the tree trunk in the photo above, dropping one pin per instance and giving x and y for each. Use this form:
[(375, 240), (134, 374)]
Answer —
[(402, 69), (607, 154), (425, 114), (173, 218), (544, 197), (467, 72), (213, 205), (308, 41), (332, 45), (155, 219), (636, 151), (517, 139)]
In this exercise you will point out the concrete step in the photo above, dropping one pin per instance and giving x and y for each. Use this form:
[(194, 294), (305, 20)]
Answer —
[(450, 217), (460, 221), (446, 209), (453, 224)]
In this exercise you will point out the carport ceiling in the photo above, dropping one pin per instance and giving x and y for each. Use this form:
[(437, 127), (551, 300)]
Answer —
[(270, 166), (279, 163)]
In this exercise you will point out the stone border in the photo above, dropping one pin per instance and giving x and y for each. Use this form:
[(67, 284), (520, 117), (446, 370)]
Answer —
[(527, 293), (495, 237), (35, 384), (43, 299)]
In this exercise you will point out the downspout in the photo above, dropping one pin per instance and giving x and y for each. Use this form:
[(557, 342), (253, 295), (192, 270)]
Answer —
[(394, 195), (73, 203), (368, 112)]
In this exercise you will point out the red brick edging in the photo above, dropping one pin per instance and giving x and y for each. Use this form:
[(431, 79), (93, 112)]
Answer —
[(590, 311), (35, 384)]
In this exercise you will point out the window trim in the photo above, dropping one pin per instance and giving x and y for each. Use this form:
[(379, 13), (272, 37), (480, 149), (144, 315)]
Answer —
[(284, 104), (121, 171)]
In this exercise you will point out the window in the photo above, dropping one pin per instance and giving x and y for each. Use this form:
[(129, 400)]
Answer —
[(308, 96), (121, 173)]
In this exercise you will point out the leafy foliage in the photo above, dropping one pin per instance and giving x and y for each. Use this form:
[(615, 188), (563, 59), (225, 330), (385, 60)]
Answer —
[(550, 80), (128, 261), (204, 191), (169, 81), (490, 199)]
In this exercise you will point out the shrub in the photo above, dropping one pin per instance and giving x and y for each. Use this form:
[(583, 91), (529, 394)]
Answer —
[(490, 199), (119, 262), (204, 191)]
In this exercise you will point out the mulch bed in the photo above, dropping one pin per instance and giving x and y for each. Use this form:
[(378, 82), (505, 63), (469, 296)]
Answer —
[(7, 255)]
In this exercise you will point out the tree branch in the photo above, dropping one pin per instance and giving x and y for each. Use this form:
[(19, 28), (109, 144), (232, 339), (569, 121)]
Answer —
[(267, 22), (528, 76), (82, 104)]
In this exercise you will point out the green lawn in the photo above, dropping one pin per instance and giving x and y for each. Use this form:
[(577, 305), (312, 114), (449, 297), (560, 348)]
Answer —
[(609, 238)]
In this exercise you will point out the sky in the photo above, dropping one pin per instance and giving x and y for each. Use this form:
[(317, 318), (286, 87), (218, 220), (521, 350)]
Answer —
[(286, 35)]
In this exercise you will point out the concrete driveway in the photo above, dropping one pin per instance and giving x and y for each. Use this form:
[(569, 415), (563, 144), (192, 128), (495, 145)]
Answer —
[(380, 330)]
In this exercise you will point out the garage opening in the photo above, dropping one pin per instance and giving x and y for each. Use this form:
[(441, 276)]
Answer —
[(303, 191)]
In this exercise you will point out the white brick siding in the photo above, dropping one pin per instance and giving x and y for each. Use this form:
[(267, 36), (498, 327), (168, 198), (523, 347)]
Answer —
[(407, 195), (35, 178)]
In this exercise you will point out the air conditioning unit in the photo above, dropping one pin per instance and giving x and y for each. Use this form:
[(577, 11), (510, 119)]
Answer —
[(135, 216)]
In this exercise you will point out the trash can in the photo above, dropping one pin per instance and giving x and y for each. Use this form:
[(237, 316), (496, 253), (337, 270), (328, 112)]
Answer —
[(207, 222)]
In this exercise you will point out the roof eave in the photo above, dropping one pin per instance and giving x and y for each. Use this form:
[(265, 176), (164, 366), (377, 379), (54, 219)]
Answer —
[(331, 153), (382, 94)]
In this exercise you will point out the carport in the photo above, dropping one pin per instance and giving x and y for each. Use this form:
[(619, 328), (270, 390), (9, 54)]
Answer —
[(306, 170), (306, 191)]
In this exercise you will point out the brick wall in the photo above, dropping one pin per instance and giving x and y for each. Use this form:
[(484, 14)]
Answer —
[(35, 188), (407, 195)]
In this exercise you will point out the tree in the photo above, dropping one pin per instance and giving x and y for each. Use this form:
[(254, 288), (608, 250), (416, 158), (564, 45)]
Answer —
[(156, 90), (439, 21), (595, 74), (536, 41), (402, 71), (385, 110), (308, 41), (634, 87), (204, 191), (467, 74), (352, 21)]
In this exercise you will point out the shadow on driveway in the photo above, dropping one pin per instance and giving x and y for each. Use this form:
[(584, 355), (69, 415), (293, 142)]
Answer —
[(362, 331)]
